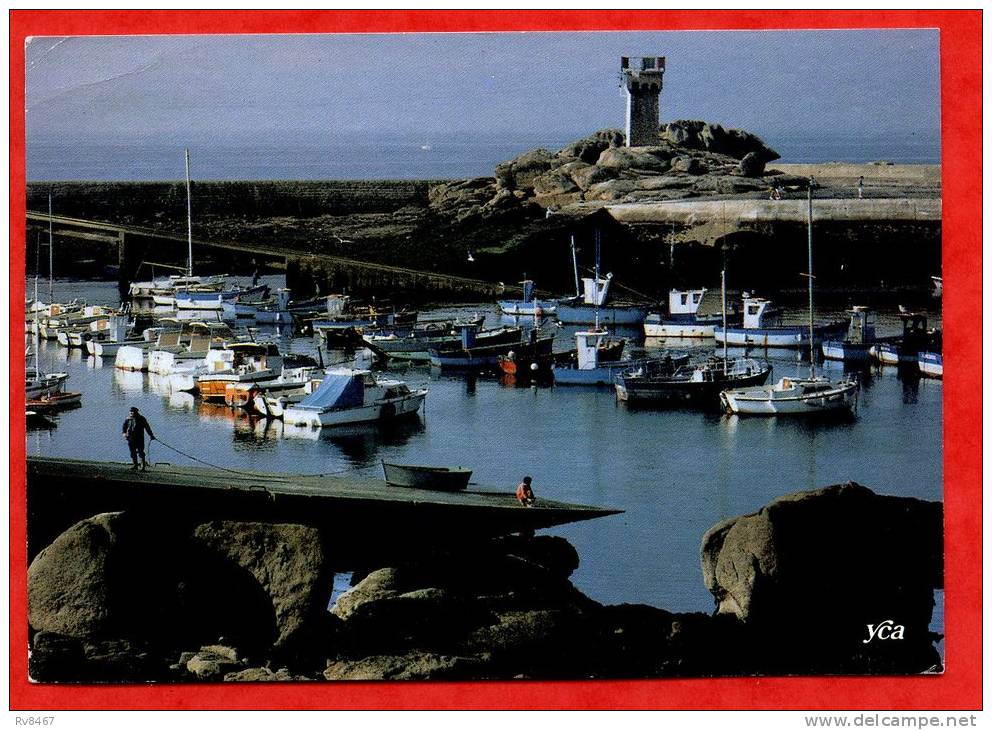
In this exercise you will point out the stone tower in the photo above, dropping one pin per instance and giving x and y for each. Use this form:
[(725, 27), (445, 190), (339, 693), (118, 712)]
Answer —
[(642, 79)]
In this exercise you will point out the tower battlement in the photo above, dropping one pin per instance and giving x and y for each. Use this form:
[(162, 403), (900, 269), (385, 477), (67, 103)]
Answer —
[(642, 77)]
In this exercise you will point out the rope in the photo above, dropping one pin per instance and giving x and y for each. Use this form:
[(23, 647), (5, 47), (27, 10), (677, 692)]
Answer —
[(618, 285), (247, 473)]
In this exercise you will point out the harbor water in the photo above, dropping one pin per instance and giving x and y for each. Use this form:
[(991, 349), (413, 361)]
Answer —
[(675, 473)]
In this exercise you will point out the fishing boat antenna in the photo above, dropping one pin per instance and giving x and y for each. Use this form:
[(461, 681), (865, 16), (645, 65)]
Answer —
[(51, 270), (189, 220), (809, 237)]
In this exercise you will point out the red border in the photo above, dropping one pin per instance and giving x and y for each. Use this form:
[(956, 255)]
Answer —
[(958, 688)]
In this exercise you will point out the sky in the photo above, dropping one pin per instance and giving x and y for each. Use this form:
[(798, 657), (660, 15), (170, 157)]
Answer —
[(362, 87)]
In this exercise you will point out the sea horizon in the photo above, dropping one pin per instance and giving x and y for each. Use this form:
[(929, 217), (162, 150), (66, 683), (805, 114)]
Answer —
[(400, 157)]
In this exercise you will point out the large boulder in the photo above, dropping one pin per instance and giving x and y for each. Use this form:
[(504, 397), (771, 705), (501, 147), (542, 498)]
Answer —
[(588, 149), (290, 565), (699, 135), (111, 575), (811, 572), (647, 159), (520, 172)]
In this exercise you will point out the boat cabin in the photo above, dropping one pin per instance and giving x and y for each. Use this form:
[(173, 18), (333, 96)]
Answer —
[(760, 313), (246, 357), (587, 346), (595, 291), (684, 302), (528, 287), (860, 330)]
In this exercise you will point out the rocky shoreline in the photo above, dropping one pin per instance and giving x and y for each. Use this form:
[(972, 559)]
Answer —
[(119, 597)]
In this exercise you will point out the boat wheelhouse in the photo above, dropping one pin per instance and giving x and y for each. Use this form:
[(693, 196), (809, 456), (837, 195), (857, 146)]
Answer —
[(762, 327), (858, 341), (692, 313)]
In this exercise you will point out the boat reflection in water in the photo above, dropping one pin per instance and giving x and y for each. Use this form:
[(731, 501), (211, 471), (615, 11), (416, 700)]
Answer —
[(127, 382)]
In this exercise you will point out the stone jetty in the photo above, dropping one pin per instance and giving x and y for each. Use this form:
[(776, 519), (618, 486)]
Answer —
[(834, 581)]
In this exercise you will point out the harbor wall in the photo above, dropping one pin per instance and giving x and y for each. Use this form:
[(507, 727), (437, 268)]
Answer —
[(886, 245)]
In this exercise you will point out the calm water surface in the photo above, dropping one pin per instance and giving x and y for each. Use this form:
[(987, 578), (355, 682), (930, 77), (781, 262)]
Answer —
[(675, 473)]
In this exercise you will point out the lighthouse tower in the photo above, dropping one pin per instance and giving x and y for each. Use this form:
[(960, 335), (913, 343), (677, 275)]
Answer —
[(642, 78)]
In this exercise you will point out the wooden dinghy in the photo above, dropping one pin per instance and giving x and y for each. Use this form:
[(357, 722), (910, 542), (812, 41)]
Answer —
[(443, 478), (55, 401)]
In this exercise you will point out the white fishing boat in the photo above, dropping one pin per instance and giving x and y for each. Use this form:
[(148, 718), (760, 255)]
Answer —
[(763, 327), (693, 313), (529, 305), (796, 396), (860, 337), (354, 396)]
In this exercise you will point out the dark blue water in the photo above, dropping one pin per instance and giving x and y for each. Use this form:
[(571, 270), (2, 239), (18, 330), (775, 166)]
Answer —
[(675, 473), (413, 159)]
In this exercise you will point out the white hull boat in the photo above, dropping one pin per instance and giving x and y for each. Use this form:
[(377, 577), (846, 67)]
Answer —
[(792, 396), (354, 396)]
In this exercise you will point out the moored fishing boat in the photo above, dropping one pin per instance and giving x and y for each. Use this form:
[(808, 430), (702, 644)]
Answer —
[(915, 338), (858, 341), (589, 369), (528, 305), (354, 396), (442, 478), (243, 393), (692, 313), (54, 401), (699, 384), (469, 354), (591, 303), (763, 327), (238, 362), (790, 395)]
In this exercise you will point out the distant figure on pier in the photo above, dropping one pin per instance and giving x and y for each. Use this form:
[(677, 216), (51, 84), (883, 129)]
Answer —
[(861, 187), (525, 495), (134, 429)]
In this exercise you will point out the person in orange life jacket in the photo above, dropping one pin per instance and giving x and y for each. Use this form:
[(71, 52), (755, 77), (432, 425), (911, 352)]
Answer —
[(134, 429), (525, 495)]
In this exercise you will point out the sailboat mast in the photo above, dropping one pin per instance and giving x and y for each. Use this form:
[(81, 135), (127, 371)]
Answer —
[(37, 332), (575, 268), (51, 270), (809, 215), (595, 288), (189, 220), (723, 302)]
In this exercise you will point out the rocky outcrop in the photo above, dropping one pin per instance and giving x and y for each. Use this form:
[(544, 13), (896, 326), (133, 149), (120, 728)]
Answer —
[(822, 567), (699, 135), (122, 577), (599, 167), (801, 587)]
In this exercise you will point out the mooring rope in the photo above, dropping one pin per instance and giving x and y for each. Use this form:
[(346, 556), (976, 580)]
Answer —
[(249, 473)]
